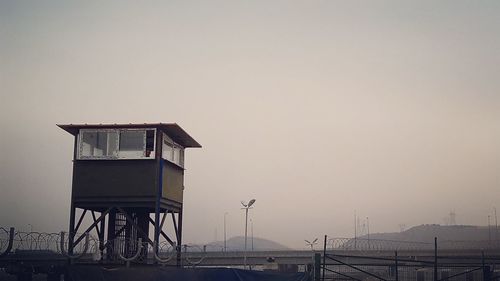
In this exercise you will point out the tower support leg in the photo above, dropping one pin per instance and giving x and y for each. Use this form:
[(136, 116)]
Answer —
[(143, 223), (111, 234), (179, 240), (157, 229), (71, 233), (101, 238)]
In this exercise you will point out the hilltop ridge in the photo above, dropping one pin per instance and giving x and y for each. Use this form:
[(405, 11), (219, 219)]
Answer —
[(427, 232), (237, 243)]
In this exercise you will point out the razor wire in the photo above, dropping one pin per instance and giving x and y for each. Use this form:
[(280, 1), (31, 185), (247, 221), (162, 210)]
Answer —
[(363, 244)]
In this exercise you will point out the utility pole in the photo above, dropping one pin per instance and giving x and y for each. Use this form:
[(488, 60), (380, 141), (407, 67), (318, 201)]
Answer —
[(489, 230), (225, 240), (368, 228), (496, 224)]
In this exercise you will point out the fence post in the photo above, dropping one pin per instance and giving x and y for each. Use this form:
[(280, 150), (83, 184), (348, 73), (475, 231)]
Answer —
[(324, 258), (396, 263), (435, 259), (486, 269), (317, 267)]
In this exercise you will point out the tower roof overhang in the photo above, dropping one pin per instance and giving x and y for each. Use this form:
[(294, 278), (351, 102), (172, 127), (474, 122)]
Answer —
[(173, 130)]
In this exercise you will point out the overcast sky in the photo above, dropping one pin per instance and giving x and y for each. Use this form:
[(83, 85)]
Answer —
[(314, 108)]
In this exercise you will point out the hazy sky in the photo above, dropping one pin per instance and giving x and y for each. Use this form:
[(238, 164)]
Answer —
[(314, 108)]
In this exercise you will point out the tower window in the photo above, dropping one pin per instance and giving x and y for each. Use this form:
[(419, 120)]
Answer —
[(116, 144), (172, 151)]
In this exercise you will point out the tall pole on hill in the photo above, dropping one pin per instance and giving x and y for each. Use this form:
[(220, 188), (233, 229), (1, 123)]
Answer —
[(355, 229), (489, 230), (496, 224), (246, 207), (368, 229)]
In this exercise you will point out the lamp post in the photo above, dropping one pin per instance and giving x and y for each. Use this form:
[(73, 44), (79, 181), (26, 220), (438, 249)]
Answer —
[(246, 207), (251, 231), (225, 245)]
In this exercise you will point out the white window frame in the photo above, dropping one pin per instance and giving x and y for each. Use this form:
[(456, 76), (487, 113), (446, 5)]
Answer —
[(175, 145), (118, 157)]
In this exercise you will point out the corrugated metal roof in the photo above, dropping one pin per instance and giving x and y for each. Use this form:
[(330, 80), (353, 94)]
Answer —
[(171, 129)]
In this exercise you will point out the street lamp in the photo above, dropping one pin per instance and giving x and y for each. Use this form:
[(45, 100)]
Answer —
[(246, 207), (311, 244), (251, 231)]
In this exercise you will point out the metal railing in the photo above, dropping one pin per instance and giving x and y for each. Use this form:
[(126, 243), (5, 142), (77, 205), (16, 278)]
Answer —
[(363, 244), (334, 266)]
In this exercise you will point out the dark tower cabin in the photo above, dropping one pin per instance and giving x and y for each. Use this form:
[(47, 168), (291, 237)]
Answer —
[(128, 178)]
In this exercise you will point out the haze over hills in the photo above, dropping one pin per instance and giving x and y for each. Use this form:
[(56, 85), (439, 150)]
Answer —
[(427, 232), (423, 233), (238, 244)]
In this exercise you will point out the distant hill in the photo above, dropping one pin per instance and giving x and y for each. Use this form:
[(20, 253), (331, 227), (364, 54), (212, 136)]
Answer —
[(427, 232), (422, 237), (238, 244)]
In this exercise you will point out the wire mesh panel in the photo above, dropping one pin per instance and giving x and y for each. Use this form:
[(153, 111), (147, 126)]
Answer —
[(457, 268)]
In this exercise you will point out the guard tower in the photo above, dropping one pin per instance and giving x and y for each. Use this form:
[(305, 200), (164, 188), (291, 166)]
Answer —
[(132, 176)]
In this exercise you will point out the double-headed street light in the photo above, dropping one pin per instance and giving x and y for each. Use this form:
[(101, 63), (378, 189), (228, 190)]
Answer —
[(311, 244), (246, 207)]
